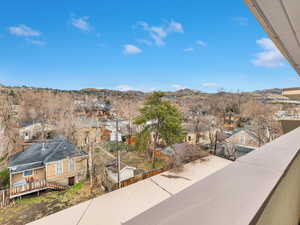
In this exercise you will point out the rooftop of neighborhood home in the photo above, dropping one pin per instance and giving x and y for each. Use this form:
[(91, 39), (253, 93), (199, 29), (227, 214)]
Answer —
[(113, 166), (93, 105), (236, 131), (43, 152), (181, 149)]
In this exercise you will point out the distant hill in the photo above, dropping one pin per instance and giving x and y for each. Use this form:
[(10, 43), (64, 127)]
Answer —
[(183, 93), (270, 91)]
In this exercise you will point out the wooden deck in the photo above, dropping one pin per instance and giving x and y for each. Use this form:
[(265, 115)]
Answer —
[(33, 187), (8, 194)]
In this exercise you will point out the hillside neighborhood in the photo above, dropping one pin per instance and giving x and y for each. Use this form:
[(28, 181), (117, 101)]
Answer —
[(150, 112), (95, 142)]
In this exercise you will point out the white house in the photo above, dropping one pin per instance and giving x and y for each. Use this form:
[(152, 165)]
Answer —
[(33, 130), (126, 172), (111, 125)]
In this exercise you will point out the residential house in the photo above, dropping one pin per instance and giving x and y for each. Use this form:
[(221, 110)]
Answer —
[(191, 136), (87, 131), (94, 131), (52, 162), (126, 172), (34, 130), (239, 143), (245, 137), (123, 129), (231, 121), (95, 108)]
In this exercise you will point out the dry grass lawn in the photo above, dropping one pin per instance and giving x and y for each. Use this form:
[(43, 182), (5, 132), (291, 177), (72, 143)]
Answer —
[(34, 207)]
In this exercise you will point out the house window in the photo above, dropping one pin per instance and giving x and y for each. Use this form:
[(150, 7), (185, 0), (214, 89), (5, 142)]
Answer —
[(59, 168), (243, 139), (86, 140), (72, 165), (27, 173), (190, 138)]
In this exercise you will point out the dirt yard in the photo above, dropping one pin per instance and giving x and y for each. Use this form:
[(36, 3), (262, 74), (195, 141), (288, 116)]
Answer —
[(34, 207), (137, 160)]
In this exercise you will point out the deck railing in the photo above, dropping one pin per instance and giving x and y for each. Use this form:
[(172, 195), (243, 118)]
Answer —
[(33, 187), (36, 185)]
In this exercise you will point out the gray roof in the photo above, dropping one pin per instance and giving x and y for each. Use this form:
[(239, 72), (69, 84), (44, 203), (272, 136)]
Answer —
[(40, 153), (113, 166), (185, 151), (21, 168), (180, 149), (243, 148)]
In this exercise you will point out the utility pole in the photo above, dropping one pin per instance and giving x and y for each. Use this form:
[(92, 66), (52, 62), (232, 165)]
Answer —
[(118, 152), (90, 146)]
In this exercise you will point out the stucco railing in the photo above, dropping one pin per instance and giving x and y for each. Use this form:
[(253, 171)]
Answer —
[(261, 188)]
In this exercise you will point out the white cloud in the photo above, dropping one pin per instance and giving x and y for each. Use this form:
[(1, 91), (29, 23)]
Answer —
[(270, 56), (243, 21), (175, 27), (209, 85), (37, 42), (81, 23), (201, 43), (177, 87), (23, 30), (293, 79), (160, 33), (131, 50), (144, 41), (124, 87), (188, 49)]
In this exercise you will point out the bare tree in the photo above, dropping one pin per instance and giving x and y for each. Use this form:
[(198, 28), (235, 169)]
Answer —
[(215, 133), (230, 150), (8, 124), (261, 120)]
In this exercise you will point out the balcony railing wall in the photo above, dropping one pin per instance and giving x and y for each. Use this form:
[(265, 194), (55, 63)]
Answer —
[(261, 188)]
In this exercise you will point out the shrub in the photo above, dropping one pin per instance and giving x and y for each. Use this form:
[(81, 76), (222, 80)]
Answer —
[(112, 146), (4, 178)]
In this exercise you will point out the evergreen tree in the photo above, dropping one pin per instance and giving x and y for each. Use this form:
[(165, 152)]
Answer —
[(162, 120)]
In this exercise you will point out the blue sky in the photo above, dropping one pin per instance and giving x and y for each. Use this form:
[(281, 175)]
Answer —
[(138, 44)]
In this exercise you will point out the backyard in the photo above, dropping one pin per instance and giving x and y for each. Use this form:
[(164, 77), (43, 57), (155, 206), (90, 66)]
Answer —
[(34, 207)]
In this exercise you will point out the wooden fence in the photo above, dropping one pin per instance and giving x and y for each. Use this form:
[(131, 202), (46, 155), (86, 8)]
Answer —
[(4, 198), (139, 177)]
